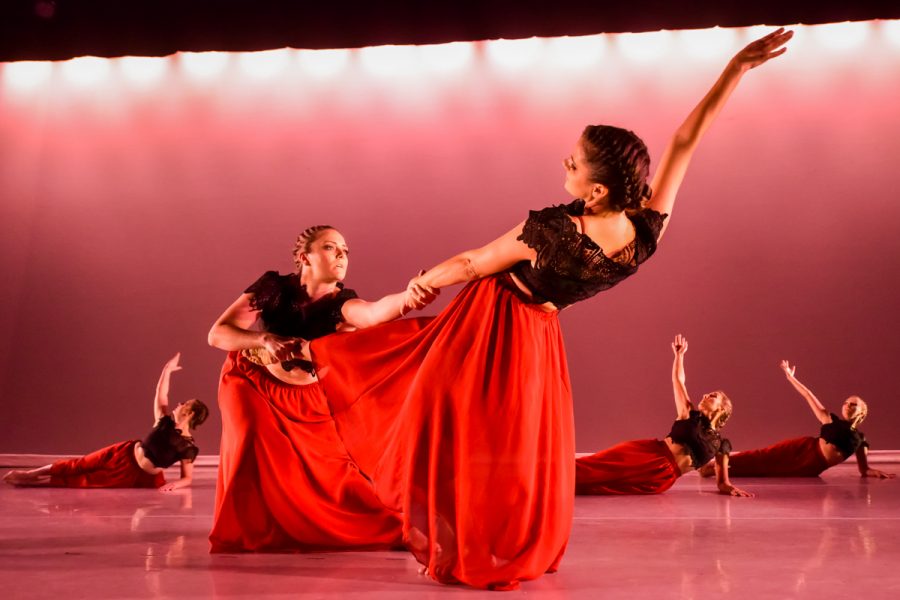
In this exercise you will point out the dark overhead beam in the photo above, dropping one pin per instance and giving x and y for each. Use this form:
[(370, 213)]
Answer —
[(62, 29)]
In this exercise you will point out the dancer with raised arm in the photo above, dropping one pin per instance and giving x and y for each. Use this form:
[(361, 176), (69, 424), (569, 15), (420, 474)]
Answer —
[(465, 425), (652, 466), (133, 463), (839, 439), (285, 480)]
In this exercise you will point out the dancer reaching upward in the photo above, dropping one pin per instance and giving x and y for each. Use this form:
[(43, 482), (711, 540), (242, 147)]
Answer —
[(464, 422), (652, 466), (285, 481), (839, 439), (133, 463)]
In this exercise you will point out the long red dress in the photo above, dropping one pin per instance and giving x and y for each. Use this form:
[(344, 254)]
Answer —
[(464, 422), (112, 467), (634, 467), (285, 481)]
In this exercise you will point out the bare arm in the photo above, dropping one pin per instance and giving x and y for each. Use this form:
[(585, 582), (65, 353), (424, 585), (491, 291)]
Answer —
[(361, 314), (677, 155), (495, 257), (233, 331), (723, 482), (814, 405), (187, 475), (862, 461), (161, 400), (679, 387)]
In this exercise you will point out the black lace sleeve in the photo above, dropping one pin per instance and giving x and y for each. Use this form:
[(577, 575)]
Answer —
[(725, 446), (544, 228), (337, 304), (653, 220), (190, 453), (266, 290)]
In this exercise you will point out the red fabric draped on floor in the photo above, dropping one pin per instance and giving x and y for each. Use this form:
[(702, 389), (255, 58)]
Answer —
[(285, 480), (465, 423), (635, 467), (798, 457), (110, 467)]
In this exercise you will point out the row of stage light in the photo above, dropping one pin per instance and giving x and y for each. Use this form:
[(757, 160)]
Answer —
[(562, 53)]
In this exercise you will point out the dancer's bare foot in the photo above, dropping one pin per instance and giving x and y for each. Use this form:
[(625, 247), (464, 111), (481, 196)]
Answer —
[(16, 477)]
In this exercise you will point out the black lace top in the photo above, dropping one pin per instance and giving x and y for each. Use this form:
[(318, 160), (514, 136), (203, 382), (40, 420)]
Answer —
[(839, 434), (702, 441), (164, 445), (288, 310), (570, 266)]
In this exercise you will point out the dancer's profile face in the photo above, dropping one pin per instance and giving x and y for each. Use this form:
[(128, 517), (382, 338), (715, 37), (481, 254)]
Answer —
[(710, 404), (851, 408), (328, 256), (183, 411), (577, 182)]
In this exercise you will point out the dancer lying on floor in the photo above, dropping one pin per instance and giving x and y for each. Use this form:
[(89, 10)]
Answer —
[(839, 438), (132, 463), (652, 466)]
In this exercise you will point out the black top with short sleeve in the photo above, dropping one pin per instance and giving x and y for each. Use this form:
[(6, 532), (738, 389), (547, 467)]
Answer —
[(698, 436), (164, 445), (840, 434), (286, 309), (570, 266)]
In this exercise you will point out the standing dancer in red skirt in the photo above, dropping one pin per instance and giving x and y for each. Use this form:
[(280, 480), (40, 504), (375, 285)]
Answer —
[(652, 466), (808, 456), (285, 481), (464, 422), (132, 463)]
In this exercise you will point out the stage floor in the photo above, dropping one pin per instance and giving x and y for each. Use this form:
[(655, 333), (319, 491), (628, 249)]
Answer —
[(834, 537)]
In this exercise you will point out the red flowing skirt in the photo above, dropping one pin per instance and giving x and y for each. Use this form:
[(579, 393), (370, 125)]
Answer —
[(635, 467), (285, 481), (465, 423), (110, 467), (798, 457)]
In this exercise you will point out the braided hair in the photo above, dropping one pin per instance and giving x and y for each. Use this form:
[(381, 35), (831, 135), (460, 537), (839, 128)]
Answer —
[(862, 411), (305, 241), (619, 160), (727, 408)]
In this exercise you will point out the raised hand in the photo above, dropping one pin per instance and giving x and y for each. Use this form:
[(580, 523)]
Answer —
[(788, 369), (762, 50), (172, 364), (680, 345)]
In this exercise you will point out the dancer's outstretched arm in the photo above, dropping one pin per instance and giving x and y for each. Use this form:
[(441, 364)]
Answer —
[(161, 400), (233, 330), (677, 156), (360, 314), (862, 461), (683, 404), (496, 256), (818, 409)]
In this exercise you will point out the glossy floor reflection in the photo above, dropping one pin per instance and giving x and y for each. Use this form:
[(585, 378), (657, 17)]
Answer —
[(834, 537)]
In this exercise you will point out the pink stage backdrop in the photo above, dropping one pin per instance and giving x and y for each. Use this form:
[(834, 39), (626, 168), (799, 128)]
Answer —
[(141, 196)]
